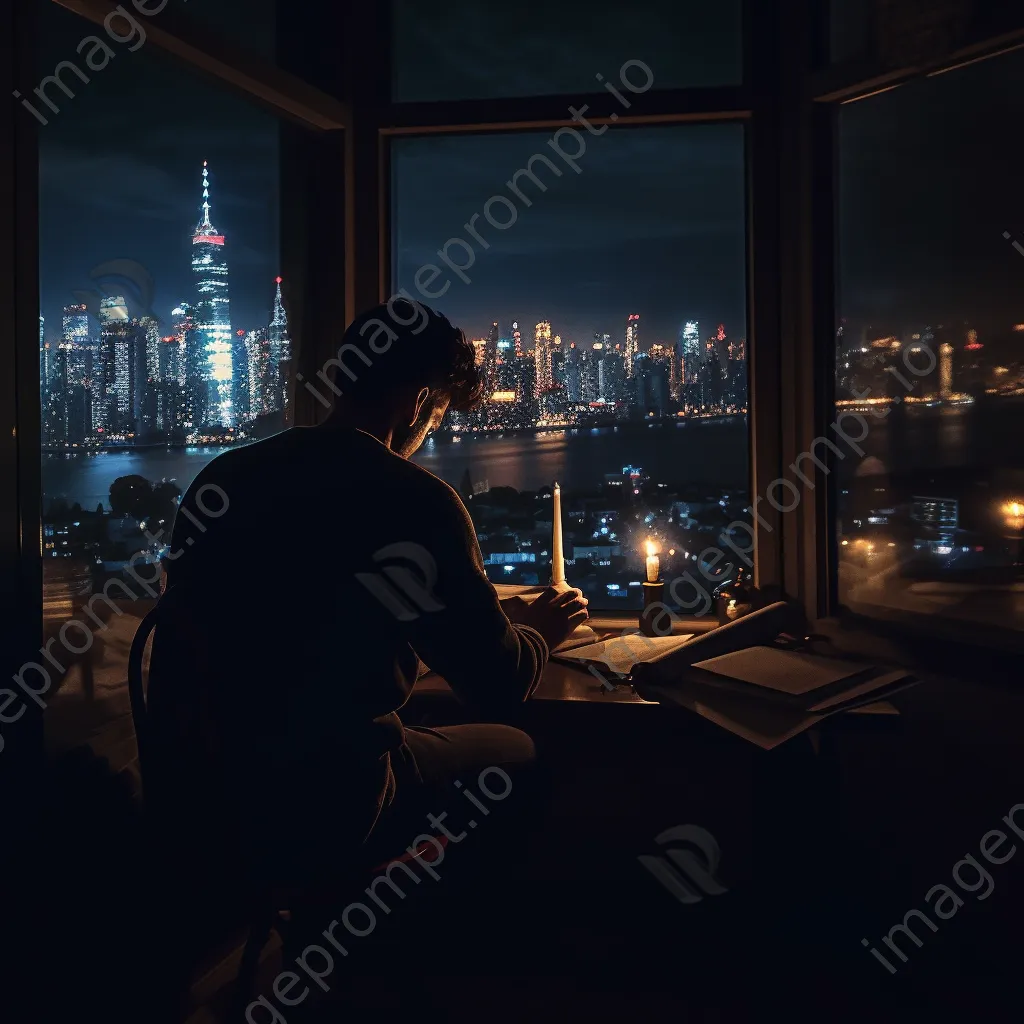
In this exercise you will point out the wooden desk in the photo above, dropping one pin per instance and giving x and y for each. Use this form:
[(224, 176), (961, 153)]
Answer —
[(560, 682)]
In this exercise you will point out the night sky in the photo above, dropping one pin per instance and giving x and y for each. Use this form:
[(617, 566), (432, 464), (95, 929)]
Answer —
[(590, 250), (121, 166), (930, 179), (653, 224)]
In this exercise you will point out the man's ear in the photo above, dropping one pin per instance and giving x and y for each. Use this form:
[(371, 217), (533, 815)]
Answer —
[(420, 399)]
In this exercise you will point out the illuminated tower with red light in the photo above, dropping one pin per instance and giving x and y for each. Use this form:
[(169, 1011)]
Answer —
[(632, 342), (213, 315)]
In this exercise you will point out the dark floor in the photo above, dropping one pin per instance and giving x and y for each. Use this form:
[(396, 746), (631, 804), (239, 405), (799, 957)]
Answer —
[(819, 851)]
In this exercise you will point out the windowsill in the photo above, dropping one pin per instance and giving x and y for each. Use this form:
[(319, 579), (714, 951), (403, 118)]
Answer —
[(952, 649)]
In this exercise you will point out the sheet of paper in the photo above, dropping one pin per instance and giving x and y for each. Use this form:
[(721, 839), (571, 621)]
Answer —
[(621, 653)]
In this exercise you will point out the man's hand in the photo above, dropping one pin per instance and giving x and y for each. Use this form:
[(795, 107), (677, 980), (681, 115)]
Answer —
[(555, 613)]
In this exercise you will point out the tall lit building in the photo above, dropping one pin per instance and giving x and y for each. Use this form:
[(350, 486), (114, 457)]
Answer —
[(489, 357), (112, 377), (945, 370), (261, 381), (170, 412), (195, 384), (542, 357), (280, 366), (632, 342), (517, 340), (690, 358), (213, 315), (75, 324), (44, 367)]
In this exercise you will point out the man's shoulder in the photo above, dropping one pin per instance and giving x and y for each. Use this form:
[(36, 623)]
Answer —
[(428, 486), (266, 455)]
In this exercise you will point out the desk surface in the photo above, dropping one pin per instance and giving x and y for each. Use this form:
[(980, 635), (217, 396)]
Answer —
[(560, 682), (568, 682)]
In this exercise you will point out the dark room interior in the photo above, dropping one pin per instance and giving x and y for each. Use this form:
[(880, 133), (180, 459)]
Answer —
[(399, 397)]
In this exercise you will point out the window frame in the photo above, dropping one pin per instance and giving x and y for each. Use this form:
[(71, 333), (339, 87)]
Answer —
[(753, 103), (827, 90), (312, 215), (340, 135)]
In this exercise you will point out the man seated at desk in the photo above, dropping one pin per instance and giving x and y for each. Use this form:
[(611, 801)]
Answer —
[(309, 575)]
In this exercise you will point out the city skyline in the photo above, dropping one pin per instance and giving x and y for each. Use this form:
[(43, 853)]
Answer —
[(119, 376)]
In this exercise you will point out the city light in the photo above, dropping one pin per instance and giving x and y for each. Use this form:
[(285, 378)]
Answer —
[(1013, 514)]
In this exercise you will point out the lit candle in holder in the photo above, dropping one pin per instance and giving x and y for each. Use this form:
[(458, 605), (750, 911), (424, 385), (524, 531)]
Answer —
[(653, 563), (653, 589), (557, 555)]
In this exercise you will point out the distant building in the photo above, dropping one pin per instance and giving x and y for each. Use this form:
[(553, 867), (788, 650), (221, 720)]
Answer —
[(213, 316), (632, 349)]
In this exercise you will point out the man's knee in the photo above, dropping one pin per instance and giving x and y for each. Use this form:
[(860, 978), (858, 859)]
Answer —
[(510, 747)]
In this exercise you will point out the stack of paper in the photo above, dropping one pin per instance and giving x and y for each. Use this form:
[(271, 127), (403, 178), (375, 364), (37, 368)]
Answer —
[(768, 694)]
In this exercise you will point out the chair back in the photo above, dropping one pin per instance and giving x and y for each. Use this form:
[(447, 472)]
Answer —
[(137, 689)]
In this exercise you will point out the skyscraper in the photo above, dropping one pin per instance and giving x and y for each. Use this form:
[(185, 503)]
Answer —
[(213, 315), (542, 358), (44, 363), (280, 357), (489, 361), (689, 354), (146, 383), (632, 342), (262, 381), (112, 377), (945, 370)]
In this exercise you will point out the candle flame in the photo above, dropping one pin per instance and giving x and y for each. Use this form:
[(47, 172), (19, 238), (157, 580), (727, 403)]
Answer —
[(651, 548)]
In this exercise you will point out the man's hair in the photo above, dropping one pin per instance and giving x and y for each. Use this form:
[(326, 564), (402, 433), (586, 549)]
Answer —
[(404, 344)]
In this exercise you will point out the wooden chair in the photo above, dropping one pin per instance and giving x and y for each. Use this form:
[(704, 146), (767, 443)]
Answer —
[(268, 908)]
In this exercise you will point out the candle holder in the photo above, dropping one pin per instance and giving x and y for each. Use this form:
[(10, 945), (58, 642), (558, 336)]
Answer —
[(653, 593)]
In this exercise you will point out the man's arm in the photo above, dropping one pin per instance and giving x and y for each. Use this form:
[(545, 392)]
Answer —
[(464, 635)]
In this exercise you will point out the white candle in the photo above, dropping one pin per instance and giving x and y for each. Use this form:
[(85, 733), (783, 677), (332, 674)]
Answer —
[(557, 556), (653, 563)]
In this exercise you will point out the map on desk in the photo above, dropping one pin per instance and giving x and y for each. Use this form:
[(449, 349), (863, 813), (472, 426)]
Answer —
[(622, 653)]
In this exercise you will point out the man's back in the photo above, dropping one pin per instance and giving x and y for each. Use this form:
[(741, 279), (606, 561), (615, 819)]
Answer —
[(299, 596)]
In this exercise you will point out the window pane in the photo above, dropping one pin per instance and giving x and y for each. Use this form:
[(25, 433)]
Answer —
[(474, 49), (931, 349), (608, 312), (161, 339)]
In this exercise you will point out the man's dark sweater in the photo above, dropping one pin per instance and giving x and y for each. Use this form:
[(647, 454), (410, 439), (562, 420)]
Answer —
[(277, 670)]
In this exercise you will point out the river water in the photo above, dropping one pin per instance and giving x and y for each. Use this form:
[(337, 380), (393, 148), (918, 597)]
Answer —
[(715, 453)]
